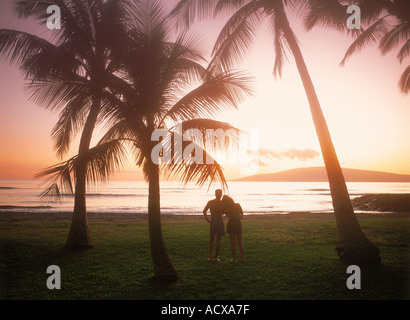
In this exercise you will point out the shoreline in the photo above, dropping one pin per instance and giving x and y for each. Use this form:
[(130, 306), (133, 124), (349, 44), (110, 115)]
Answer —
[(105, 217)]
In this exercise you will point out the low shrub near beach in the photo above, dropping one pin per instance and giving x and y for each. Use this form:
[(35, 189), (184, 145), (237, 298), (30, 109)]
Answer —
[(286, 259)]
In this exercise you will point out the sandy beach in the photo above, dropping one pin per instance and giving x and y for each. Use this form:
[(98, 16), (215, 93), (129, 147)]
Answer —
[(93, 217)]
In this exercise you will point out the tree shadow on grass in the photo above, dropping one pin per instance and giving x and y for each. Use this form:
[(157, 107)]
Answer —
[(386, 282), (24, 267), (377, 282)]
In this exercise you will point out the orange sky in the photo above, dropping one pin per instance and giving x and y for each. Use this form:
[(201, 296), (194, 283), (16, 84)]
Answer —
[(368, 117)]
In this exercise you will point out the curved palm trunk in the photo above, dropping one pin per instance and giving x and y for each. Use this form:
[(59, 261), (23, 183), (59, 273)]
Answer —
[(79, 236), (163, 267), (353, 247)]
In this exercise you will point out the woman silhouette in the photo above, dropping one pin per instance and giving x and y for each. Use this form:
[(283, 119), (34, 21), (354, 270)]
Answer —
[(234, 226)]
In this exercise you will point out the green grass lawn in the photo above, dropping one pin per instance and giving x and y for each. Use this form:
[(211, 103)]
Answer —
[(286, 259)]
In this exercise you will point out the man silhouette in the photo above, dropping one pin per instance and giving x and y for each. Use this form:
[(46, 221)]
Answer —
[(216, 223)]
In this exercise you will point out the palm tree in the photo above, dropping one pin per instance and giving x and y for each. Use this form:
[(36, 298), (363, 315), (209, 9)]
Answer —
[(69, 73), (232, 45), (166, 90), (388, 24)]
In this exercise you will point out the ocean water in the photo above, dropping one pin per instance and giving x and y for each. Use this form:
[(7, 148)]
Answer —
[(132, 196)]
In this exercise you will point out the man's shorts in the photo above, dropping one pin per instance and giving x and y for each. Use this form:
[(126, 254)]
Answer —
[(217, 227)]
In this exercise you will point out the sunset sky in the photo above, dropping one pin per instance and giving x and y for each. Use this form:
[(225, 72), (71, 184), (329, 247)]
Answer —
[(368, 117)]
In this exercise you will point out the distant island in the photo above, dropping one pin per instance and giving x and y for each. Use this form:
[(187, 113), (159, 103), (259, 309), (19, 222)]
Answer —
[(318, 174)]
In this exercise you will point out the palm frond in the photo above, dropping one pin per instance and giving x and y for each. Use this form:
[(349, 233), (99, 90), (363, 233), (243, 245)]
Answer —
[(199, 171), (326, 13), (404, 51), (212, 135), (224, 90), (206, 124), (59, 181), (76, 102), (372, 10), (185, 151), (75, 18), (70, 121), (280, 44), (126, 132), (101, 161), (371, 35), (54, 94), (185, 59), (132, 133), (236, 38), (112, 26), (187, 11), (18, 46), (229, 5), (182, 68), (149, 18), (59, 61), (396, 35), (404, 82), (177, 78), (104, 159)]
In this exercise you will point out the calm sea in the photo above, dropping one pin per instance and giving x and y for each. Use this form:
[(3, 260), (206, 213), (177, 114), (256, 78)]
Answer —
[(131, 196)]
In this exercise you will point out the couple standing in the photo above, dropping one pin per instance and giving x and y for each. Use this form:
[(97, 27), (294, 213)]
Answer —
[(218, 207)]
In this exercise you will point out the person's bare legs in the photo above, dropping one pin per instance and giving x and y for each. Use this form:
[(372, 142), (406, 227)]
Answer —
[(233, 246), (217, 247), (211, 244), (240, 245)]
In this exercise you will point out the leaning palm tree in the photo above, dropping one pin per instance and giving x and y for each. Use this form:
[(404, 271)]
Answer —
[(164, 100), (232, 45), (387, 24), (69, 73)]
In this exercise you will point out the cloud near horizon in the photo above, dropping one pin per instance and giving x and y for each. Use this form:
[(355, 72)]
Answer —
[(299, 154)]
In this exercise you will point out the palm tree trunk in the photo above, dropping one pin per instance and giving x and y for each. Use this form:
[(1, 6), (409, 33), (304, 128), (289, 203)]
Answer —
[(79, 236), (352, 246), (163, 267)]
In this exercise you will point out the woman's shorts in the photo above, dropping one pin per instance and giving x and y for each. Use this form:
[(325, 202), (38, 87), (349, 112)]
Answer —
[(234, 226)]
